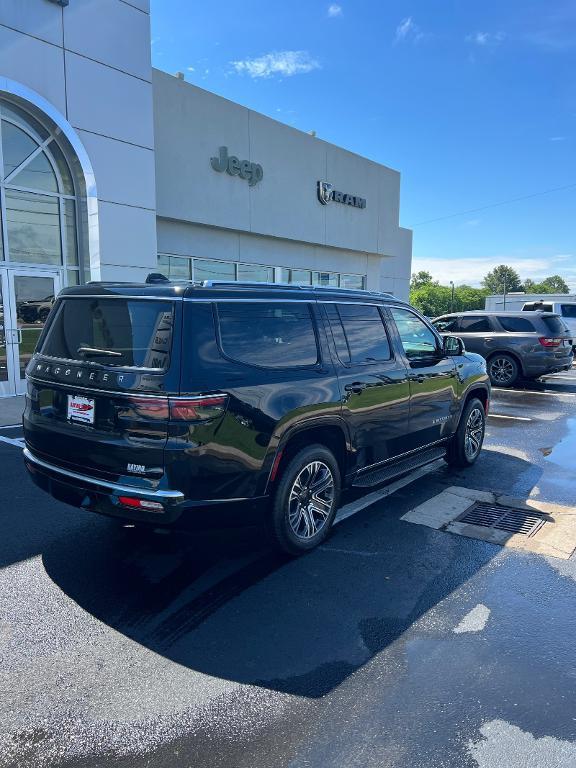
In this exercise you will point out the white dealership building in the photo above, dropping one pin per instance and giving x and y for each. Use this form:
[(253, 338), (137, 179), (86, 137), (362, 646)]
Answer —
[(110, 170)]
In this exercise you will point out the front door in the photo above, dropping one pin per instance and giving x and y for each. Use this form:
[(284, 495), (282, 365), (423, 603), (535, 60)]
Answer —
[(433, 380), (26, 297)]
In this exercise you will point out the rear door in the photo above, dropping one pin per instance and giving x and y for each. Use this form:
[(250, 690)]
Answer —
[(373, 381), (434, 403), (98, 386)]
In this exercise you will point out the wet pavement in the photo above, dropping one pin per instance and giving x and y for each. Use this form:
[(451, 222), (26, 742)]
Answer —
[(392, 645)]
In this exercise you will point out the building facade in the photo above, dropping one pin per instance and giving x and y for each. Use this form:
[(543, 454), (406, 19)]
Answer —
[(110, 170)]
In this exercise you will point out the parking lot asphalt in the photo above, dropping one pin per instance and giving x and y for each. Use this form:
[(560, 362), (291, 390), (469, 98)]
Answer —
[(391, 645)]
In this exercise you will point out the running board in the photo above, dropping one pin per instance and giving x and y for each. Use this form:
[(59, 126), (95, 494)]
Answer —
[(400, 467)]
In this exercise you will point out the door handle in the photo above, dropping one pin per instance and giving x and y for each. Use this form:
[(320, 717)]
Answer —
[(356, 387), (417, 377)]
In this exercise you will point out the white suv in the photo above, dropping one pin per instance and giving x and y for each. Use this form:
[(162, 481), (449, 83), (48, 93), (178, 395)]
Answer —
[(566, 310)]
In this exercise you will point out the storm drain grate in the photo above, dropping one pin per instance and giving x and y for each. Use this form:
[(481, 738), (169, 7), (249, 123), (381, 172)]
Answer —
[(509, 519)]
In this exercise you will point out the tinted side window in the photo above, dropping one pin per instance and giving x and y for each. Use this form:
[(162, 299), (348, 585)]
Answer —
[(274, 335), (474, 324), (568, 310), (516, 324), (417, 339), (447, 324), (555, 324), (359, 333)]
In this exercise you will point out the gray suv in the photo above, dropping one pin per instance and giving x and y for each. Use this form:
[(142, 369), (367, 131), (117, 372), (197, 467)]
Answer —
[(515, 344)]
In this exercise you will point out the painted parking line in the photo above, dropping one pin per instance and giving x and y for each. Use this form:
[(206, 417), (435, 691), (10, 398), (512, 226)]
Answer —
[(11, 426), (533, 392), (17, 441), (366, 501), (504, 416)]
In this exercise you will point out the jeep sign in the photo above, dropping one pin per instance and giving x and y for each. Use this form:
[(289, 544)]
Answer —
[(251, 172), (327, 193)]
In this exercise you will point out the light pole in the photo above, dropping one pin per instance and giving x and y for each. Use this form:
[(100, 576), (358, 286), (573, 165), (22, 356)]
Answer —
[(504, 303), (452, 297)]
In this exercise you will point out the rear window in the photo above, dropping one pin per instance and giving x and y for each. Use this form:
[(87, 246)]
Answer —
[(516, 324), (537, 306), (274, 335), (568, 310), (112, 332), (555, 324)]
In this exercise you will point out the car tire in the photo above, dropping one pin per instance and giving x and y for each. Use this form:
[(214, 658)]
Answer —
[(43, 314), (503, 370), (466, 443), (301, 517)]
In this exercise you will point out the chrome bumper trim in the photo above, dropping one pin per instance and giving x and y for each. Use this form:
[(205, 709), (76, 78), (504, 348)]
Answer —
[(173, 496)]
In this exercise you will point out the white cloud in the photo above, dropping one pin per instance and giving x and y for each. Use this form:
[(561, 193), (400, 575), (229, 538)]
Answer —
[(282, 63), (408, 30), (486, 38), (334, 10), (557, 138), (471, 270)]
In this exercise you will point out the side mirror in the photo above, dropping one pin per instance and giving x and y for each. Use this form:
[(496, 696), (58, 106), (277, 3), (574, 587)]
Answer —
[(452, 346)]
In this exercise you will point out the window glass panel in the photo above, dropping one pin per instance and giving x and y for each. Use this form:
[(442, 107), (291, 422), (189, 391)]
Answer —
[(555, 324), (69, 209), (1, 245), (352, 281), (568, 310), (15, 113), (33, 224), (417, 339), (516, 324), (268, 335), (112, 332), (16, 147), (175, 267), (37, 174), (300, 276), (537, 306), (73, 277), (255, 272), (67, 184), (214, 270), (325, 278), (474, 324), (359, 333), (3, 347), (446, 324)]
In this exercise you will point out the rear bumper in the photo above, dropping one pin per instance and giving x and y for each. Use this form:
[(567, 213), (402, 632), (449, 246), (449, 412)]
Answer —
[(551, 365), (101, 496)]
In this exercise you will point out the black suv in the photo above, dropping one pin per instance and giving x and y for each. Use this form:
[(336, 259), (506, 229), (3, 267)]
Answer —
[(161, 403)]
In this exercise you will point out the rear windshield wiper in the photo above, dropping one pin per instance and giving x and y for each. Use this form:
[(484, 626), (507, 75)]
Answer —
[(95, 352)]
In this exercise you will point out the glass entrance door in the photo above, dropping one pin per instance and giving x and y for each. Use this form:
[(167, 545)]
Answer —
[(28, 296)]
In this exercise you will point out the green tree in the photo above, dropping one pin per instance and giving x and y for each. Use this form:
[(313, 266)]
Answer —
[(422, 278), (556, 284), (467, 298), (502, 278), (431, 299)]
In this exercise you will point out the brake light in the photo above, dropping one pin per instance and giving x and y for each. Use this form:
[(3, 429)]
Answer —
[(143, 504), (148, 407), (198, 408), (547, 342)]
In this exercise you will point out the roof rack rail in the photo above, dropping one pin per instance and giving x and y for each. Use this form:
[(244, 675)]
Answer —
[(285, 286)]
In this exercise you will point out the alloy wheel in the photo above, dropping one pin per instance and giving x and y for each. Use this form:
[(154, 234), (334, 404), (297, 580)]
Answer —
[(311, 499), (474, 433), (501, 370)]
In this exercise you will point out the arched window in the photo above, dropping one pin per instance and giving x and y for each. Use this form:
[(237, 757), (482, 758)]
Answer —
[(38, 198)]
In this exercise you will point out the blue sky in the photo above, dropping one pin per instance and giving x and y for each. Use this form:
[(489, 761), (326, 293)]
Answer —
[(475, 103)]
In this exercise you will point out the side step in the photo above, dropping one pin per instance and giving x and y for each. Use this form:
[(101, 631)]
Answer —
[(390, 471)]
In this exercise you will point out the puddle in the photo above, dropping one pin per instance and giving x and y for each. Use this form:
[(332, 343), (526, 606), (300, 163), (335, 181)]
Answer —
[(564, 453)]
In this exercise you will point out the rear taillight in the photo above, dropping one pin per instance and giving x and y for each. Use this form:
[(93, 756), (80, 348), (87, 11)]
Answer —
[(198, 408), (548, 342), (143, 504), (147, 407)]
